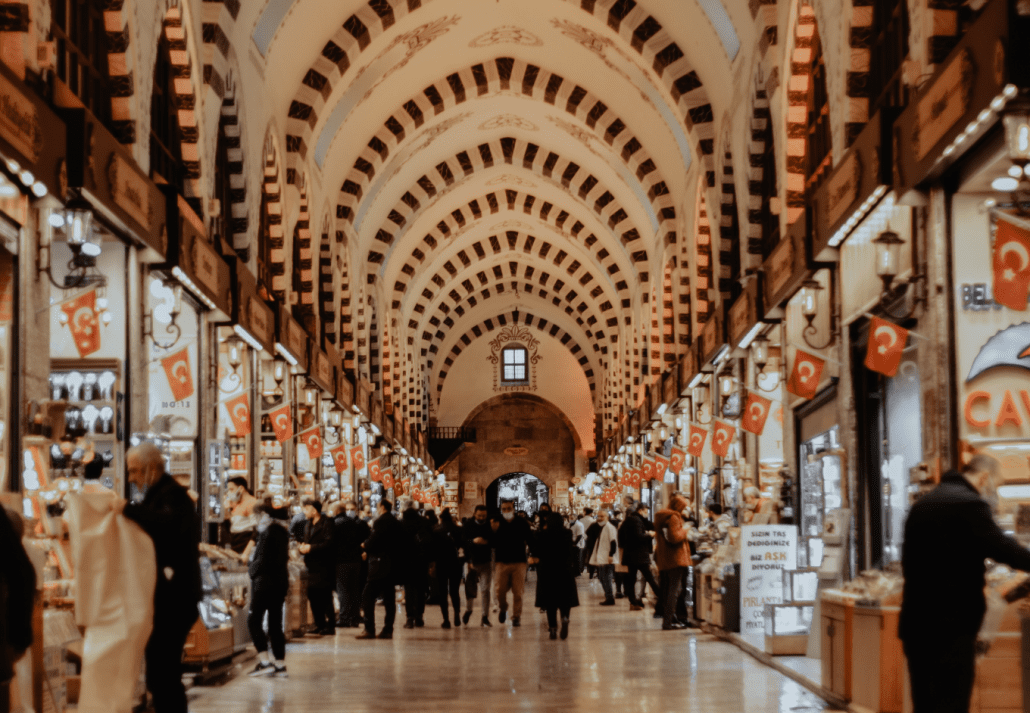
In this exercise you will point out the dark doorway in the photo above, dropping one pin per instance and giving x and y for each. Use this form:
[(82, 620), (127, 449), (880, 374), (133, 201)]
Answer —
[(527, 491)]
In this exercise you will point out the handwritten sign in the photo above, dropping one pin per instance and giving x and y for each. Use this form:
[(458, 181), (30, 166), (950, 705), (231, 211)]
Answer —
[(766, 551)]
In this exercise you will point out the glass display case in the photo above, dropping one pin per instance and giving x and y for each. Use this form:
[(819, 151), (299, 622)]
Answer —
[(819, 492)]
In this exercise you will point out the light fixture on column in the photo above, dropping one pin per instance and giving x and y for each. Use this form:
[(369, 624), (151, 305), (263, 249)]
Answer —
[(699, 397), (171, 327), (75, 221), (888, 246), (810, 291), (279, 368), (234, 357)]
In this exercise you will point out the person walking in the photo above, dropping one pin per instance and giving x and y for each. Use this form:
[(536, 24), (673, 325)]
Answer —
[(382, 551), (605, 555), (351, 533), (949, 533), (510, 539), (417, 556), (479, 553), (269, 584), (18, 589), (169, 517), (319, 550), (556, 557), (636, 537), (673, 557), (579, 539), (447, 566), (590, 533)]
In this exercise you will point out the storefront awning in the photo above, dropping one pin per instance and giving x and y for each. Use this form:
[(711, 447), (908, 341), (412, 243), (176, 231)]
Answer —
[(253, 319)]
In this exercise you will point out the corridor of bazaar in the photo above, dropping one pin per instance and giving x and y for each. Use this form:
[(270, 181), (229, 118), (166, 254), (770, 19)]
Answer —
[(665, 354)]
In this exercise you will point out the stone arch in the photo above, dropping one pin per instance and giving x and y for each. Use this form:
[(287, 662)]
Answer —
[(507, 398), (237, 220), (762, 146), (729, 228), (304, 261), (326, 295), (219, 21), (272, 252), (703, 306)]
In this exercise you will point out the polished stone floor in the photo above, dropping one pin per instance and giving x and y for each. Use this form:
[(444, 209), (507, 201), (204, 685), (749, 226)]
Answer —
[(613, 660)]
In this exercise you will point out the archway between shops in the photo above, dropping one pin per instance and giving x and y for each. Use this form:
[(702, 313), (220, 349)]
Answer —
[(526, 490)]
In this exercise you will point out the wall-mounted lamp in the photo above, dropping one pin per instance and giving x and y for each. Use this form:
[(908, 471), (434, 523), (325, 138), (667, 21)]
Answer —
[(760, 352), (171, 327), (810, 291), (700, 397), (234, 357), (279, 374), (888, 264), (76, 222)]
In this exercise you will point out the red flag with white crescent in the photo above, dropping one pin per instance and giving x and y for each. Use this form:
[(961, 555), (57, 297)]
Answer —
[(83, 322), (436, 500), (339, 455), (660, 466), (312, 438), (282, 423), (646, 470), (404, 486), (886, 345), (722, 437), (239, 412), (805, 376), (180, 376), (357, 458), (387, 476), (374, 474), (635, 476), (1011, 265), (756, 410), (677, 461), (698, 436)]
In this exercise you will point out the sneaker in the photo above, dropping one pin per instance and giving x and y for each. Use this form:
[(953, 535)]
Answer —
[(365, 635), (503, 616), (465, 618), (564, 628), (385, 635), (263, 668), (516, 621), (485, 622), (280, 672)]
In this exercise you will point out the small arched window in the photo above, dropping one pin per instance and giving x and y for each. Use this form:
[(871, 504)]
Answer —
[(514, 363)]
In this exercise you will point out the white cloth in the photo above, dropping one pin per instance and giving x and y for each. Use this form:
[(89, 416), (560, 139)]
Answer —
[(115, 576), (604, 545), (579, 534), (587, 521)]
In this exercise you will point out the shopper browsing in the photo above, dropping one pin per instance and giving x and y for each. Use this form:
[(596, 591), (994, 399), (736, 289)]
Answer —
[(510, 539), (672, 557), (605, 555)]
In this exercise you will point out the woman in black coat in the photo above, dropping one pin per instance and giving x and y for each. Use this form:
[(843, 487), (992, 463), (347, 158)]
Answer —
[(447, 566), (270, 582), (556, 559)]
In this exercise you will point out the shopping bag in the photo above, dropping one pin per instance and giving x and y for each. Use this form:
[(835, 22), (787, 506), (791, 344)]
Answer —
[(116, 572)]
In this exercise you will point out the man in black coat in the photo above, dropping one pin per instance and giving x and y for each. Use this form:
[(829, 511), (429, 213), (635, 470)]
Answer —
[(17, 600), (168, 515), (319, 550), (351, 533), (269, 584), (636, 540), (948, 534), (417, 556), (382, 551), (480, 558)]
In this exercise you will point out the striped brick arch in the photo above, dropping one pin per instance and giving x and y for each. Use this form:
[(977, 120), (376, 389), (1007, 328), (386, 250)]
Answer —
[(505, 74), (702, 259), (502, 320), (326, 296), (761, 143), (303, 262), (346, 306), (729, 232), (185, 101), (218, 20), (236, 212), (272, 207), (462, 218), (546, 164)]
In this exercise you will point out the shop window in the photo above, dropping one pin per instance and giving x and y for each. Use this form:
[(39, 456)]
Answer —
[(887, 52), (817, 154), (165, 141), (81, 62), (514, 365)]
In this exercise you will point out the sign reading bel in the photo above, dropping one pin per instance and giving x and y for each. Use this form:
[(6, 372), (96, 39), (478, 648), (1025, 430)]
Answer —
[(766, 551)]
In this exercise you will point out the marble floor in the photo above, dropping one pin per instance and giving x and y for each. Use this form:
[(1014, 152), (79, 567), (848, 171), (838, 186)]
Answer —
[(613, 657)]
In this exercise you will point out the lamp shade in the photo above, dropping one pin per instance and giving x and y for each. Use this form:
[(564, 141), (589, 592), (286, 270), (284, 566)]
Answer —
[(1017, 135), (888, 254)]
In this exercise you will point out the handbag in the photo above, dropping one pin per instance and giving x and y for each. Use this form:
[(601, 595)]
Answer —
[(471, 584)]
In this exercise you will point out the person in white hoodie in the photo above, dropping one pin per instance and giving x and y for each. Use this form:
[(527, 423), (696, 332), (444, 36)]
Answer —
[(605, 556)]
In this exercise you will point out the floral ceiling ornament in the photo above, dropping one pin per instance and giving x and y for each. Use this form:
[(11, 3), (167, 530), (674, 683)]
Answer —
[(510, 180), (504, 120), (507, 35), (515, 335)]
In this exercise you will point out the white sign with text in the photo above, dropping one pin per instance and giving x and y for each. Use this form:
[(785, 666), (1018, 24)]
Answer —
[(766, 552)]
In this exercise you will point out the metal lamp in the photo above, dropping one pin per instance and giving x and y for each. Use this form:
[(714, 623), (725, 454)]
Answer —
[(888, 257)]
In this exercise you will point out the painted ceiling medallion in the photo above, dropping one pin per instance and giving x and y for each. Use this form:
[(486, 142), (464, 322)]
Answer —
[(504, 120), (510, 180), (507, 35)]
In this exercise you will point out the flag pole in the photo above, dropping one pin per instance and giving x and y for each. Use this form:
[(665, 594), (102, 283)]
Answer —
[(914, 334), (807, 350)]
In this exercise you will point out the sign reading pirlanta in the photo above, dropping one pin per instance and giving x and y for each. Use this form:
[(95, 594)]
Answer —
[(766, 551)]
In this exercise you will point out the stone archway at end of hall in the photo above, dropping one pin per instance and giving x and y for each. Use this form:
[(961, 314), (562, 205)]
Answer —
[(526, 490)]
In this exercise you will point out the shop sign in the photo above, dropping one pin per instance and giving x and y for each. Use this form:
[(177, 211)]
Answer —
[(292, 336), (711, 337), (376, 414), (471, 491), (390, 427), (364, 395), (766, 552), (785, 268), (670, 386), (129, 189), (344, 391), (260, 320), (516, 451), (19, 122), (191, 253), (944, 103), (842, 188), (687, 369), (322, 369), (743, 314), (31, 132)]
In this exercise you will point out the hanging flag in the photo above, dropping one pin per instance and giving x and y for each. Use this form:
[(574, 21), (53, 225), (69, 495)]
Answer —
[(677, 461), (83, 322), (374, 473), (436, 500), (239, 412), (722, 437), (1011, 265), (886, 345), (339, 455), (660, 466), (804, 378), (357, 458), (635, 476), (312, 438), (405, 486), (646, 470), (698, 436), (756, 410), (416, 493), (387, 476), (180, 377), (282, 424)]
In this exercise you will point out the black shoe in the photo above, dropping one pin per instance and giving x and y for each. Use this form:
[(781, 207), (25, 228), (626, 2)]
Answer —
[(503, 616), (446, 624), (327, 632), (419, 623), (262, 669), (516, 621), (564, 628), (457, 616), (409, 624), (608, 603), (280, 672), (620, 595), (485, 622), (365, 635), (385, 635), (553, 633), (673, 626), (465, 618)]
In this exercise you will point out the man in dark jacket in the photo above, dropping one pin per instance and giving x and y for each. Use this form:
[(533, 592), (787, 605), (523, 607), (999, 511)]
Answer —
[(269, 584), (17, 600), (319, 550), (672, 557), (510, 539), (635, 539), (481, 568), (417, 556), (383, 554), (350, 534), (948, 534), (167, 514), (447, 566)]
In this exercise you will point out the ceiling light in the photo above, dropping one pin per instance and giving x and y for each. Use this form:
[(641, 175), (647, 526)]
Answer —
[(1016, 171), (1005, 183)]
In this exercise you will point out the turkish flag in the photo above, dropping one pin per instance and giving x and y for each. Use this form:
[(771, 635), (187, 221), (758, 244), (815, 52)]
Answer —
[(646, 470), (677, 461), (756, 410), (312, 438), (722, 437), (634, 479), (886, 344), (436, 501), (357, 457), (416, 493), (405, 487), (239, 412), (387, 476), (282, 423), (660, 466), (339, 455), (180, 377), (373, 471), (805, 376), (697, 441), (83, 322), (623, 478), (1011, 265)]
